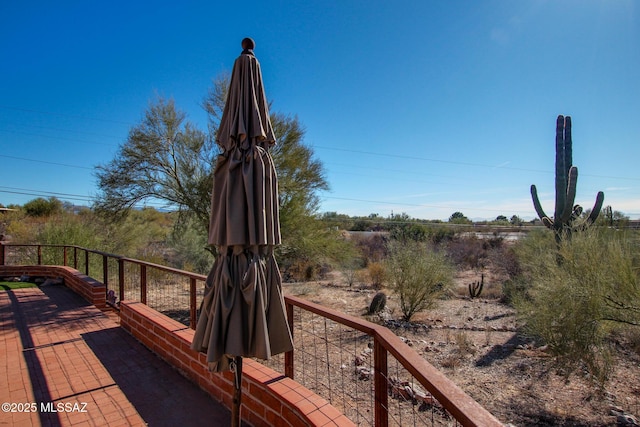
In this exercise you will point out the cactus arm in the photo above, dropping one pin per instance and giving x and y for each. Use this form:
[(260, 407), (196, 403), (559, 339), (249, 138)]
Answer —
[(571, 195), (538, 207), (561, 170), (568, 147), (596, 208)]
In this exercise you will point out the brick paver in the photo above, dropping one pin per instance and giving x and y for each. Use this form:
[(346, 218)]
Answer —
[(66, 363)]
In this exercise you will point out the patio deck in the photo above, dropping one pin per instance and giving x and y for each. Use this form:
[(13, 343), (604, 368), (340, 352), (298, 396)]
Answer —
[(66, 363)]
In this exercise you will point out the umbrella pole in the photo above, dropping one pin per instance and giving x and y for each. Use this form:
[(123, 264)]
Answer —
[(237, 391)]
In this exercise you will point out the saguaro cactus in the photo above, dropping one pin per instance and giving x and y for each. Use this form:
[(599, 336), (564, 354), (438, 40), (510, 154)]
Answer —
[(475, 288), (566, 214)]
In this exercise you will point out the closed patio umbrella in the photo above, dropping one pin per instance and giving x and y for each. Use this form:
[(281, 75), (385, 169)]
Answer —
[(242, 313)]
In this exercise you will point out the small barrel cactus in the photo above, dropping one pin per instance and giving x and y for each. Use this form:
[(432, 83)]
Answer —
[(378, 303)]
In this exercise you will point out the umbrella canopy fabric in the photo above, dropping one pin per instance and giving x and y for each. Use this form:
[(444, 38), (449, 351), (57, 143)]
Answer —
[(243, 312)]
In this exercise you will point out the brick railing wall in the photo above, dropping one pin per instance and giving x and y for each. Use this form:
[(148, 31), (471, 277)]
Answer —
[(272, 399), (90, 289)]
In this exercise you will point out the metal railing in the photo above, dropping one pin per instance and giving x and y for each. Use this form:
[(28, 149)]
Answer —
[(174, 292), (360, 367)]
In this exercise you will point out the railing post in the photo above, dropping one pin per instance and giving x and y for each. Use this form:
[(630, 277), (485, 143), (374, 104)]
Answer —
[(64, 255), (75, 257), (192, 303), (121, 278), (39, 255), (1, 253), (381, 385), (288, 356), (105, 271), (86, 262), (143, 283)]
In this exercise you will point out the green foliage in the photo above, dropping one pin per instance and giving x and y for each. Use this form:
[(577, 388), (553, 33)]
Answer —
[(166, 158), (69, 229), (516, 220), (190, 247), (418, 275), (339, 221), (566, 214), (409, 231), (43, 207), (578, 293), (300, 177), (440, 234), (459, 218), (612, 218)]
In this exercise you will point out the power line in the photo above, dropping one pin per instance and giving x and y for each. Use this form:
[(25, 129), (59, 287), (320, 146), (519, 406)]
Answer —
[(63, 196), (45, 162), (26, 110), (31, 125), (60, 138), (406, 157), (25, 193)]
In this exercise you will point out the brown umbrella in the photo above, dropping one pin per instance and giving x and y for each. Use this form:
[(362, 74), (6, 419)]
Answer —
[(243, 314)]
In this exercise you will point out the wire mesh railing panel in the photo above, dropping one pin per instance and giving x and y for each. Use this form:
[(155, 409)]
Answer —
[(335, 362), (275, 362), (52, 255), (168, 293), (112, 272), (80, 260), (409, 404), (131, 283), (95, 269), (21, 255)]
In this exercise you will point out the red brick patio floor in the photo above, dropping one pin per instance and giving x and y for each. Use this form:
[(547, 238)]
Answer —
[(66, 363)]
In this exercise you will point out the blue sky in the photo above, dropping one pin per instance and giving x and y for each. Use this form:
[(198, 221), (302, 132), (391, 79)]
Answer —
[(424, 107)]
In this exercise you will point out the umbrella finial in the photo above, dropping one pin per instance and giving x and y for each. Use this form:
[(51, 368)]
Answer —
[(248, 44)]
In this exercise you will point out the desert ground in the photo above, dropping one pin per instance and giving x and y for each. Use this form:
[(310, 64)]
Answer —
[(477, 344)]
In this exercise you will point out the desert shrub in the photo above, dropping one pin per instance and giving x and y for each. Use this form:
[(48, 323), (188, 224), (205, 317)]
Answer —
[(577, 293), (418, 275), (377, 274), (190, 247), (349, 270), (24, 231), (468, 252), (68, 229), (302, 271), (440, 234), (404, 231), (361, 276), (464, 344), (372, 248), (504, 261), (43, 207)]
